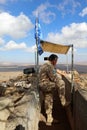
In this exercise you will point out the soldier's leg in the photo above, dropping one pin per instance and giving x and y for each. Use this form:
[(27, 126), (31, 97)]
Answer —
[(49, 107), (61, 91), (48, 88)]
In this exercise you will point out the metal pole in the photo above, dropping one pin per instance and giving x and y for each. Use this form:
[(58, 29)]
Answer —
[(72, 80), (35, 59), (67, 62), (37, 56), (72, 69), (37, 40)]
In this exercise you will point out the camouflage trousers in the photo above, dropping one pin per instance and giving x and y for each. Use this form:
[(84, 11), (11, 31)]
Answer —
[(48, 94), (48, 97)]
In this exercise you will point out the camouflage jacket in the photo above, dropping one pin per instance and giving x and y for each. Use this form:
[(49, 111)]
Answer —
[(47, 73)]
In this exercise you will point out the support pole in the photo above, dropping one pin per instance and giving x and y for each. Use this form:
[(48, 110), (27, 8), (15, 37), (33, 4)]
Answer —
[(37, 40), (67, 63), (72, 57), (37, 57), (72, 78)]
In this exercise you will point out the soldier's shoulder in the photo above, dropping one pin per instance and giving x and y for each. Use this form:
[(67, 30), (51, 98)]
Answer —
[(46, 65)]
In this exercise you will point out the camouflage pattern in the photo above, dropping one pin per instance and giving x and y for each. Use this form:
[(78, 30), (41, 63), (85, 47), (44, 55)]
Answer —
[(48, 81)]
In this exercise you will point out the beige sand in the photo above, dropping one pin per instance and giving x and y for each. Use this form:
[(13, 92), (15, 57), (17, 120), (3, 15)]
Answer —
[(4, 76)]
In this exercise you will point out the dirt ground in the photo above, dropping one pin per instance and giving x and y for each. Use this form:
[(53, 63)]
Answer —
[(4, 76)]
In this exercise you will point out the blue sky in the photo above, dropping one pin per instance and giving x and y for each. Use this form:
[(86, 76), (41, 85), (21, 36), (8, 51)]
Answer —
[(62, 21)]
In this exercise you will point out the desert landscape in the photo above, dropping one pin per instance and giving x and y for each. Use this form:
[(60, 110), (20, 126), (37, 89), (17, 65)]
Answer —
[(4, 76), (9, 72)]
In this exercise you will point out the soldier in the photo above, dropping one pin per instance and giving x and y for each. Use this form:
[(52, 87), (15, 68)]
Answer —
[(48, 81)]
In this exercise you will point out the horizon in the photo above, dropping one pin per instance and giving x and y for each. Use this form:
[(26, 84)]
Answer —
[(80, 68), (3, 64)]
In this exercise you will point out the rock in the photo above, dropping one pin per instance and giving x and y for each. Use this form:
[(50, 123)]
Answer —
[(42, 118), (4, 112), (24, 111), (2, 91)]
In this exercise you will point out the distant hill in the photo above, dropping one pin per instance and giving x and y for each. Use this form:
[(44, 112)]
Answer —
[(79, 68)]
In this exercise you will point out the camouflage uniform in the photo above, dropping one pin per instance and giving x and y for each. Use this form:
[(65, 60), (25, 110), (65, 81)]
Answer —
[(48, 81)]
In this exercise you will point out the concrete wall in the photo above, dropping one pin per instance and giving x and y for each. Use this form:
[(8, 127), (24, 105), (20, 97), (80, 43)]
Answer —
[(80, 110), (78, 115)]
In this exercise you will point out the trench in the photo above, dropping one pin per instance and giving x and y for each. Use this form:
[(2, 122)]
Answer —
[(59, 113)]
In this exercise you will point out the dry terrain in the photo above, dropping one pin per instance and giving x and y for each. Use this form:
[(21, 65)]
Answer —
[(4, 76)]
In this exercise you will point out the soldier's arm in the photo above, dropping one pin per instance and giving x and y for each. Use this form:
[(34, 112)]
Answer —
[(52, 76)]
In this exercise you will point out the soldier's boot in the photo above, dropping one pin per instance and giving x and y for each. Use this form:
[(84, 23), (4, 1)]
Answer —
[(48, 108), (49, 119), (49, 116)]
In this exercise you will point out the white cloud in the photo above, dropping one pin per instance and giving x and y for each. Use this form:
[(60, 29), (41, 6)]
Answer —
[(2, 1), (2, 41), (75, 33), (12, 45), (16, 27), (44, 14), (5, 1), (47, 16), (84, 12), (31, 49), (68, 6)]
